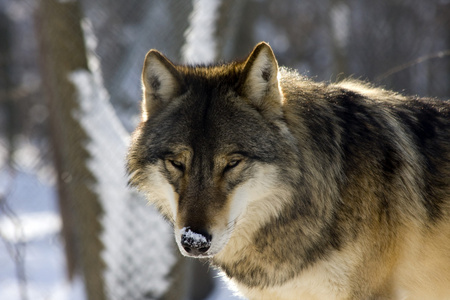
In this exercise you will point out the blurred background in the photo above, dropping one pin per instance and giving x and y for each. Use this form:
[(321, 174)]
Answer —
[(69, 98)]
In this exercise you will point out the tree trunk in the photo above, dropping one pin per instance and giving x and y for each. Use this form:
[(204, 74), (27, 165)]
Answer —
[(7, 103), (62, 51)]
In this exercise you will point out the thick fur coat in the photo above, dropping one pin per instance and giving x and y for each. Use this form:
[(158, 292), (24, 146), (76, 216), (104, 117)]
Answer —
[(297, 189)]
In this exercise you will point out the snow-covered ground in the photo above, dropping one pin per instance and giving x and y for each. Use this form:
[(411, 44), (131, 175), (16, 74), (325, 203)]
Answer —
[(30, 239)]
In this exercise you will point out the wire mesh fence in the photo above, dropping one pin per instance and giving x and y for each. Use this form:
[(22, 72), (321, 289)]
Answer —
[(113, 241)]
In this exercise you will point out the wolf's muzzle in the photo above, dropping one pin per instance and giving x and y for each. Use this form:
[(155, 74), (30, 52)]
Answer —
[(195, 243)]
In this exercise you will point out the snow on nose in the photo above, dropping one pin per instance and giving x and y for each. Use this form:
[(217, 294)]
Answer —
[(195, 243)]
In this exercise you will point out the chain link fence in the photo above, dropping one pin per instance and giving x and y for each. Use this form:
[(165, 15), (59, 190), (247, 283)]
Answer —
[(69, 97)]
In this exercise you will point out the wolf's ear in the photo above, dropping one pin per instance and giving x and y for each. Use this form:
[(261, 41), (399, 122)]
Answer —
[(161, 82), (259, 78)]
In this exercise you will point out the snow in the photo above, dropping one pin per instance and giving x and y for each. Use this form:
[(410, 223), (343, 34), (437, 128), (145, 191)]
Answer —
[(30, 226), (194, 239), (200, 44), (91, 44), (29, 238), (340, 16)]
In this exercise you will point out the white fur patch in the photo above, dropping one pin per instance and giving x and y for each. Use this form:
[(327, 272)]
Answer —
[(252, 204), (259, 187), (159, 191)]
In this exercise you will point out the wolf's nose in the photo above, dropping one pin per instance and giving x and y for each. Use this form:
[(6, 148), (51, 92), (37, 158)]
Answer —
[(195, 242)]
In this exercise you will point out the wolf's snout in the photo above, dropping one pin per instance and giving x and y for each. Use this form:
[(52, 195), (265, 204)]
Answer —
[(195, 242)]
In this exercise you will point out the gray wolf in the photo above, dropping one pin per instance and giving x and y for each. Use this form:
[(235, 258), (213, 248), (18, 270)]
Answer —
[(297, 189)]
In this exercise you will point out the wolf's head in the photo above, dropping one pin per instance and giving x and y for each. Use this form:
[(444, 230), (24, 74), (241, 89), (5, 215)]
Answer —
[(208, 150)]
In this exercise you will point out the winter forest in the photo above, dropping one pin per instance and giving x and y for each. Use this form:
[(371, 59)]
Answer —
[(70, 228)]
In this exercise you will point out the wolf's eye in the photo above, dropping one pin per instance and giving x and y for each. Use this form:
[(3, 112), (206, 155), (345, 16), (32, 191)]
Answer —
[(232, 163), (177, 164)]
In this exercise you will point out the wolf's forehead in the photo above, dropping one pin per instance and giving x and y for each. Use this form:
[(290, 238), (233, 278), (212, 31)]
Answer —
[(203, 122), (210, 130)]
